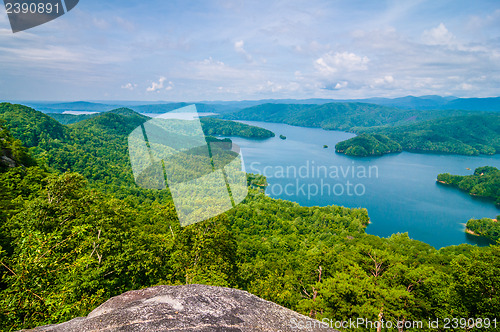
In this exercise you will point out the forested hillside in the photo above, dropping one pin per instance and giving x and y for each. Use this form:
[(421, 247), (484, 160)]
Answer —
[(96, 147), (211, 126), (218, 127), (75, 230), (368, 145), (467, 135), (486, 227), (12, 151), (485, 182), (31, 127), (335, 116)]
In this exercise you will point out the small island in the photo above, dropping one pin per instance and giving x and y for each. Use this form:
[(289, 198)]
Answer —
[(213, 126), (366, 145), (325, 146), (282, 136)]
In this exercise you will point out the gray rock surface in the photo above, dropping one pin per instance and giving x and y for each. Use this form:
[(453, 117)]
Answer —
[(188, 308), (6, 161)]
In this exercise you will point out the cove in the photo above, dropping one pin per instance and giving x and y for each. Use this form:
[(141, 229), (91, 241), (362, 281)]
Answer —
[(399, 190)]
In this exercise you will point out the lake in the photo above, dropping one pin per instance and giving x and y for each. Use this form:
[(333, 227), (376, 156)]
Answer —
[(399, 190)]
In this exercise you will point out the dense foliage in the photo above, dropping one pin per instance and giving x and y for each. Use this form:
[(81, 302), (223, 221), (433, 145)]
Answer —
[(69, 248), (485, 227), (70, 241), (212, 126), (12, 151), (485, 182), (31, 127), (335, 116), (97, 147), (467, 135), (368, 145)]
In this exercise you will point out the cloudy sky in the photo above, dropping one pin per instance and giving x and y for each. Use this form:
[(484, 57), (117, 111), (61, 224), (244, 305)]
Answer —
[(182, 50)]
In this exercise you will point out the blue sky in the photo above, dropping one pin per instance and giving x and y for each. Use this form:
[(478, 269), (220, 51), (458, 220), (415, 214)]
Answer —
[(235, 50)]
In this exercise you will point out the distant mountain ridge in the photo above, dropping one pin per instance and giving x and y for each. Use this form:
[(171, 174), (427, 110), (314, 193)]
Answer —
[(78, 106), (430, 102), (337, 116)]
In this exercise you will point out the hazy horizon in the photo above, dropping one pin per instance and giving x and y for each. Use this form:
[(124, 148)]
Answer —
[(104, 101)]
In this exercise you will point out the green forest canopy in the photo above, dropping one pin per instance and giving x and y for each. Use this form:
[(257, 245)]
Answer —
[(74, 231), (467, 135), (486, 227), (485, 182), (368, 145)]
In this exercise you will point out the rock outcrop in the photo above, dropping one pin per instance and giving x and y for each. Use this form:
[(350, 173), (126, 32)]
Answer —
[(188, 308), (6, 161), (6, 158)]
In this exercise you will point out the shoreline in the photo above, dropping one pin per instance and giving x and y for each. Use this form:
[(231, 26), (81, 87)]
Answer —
[(471, 232)]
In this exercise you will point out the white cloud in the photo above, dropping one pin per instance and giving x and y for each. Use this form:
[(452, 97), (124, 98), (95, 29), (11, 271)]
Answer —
[(439, 36), (466, 86), (387, 79), (401, 64), (442, 37), (331, 63), (129, 86), (238, 47), (274, 87), (157, 86), (341, 85), (214, 70), (27, 50)]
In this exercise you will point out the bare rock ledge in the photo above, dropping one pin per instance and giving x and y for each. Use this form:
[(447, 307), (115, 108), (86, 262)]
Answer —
[(198, 308)]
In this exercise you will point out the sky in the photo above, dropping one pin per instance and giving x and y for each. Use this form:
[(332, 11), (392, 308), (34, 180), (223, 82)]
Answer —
[(182, 50)]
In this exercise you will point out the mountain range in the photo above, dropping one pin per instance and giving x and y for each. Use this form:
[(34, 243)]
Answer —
[(431, 102)]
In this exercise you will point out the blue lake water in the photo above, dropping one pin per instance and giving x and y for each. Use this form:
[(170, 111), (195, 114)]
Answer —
[(399, 190)]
